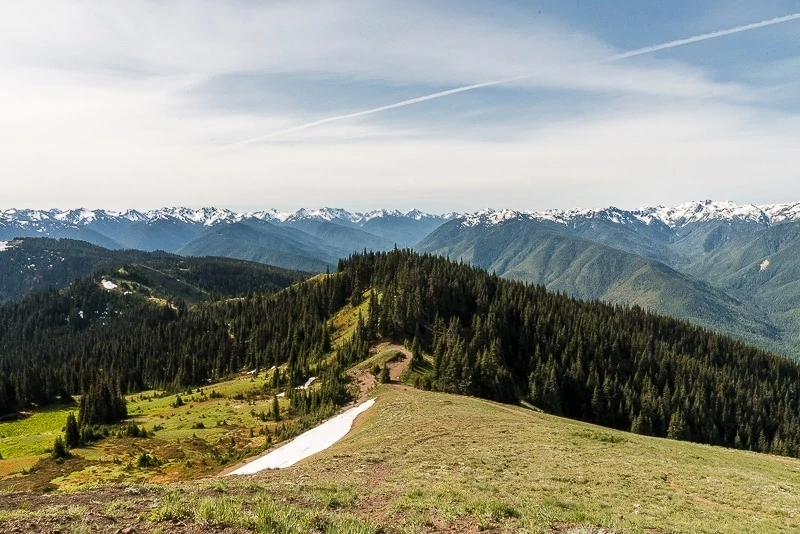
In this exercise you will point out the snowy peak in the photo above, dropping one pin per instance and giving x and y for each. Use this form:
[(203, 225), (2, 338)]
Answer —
[(673, 217), (203, 216), (324, 214), (704, 211), (491, 217), (778, 213)]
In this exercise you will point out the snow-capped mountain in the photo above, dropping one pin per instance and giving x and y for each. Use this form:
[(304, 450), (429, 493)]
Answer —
[(204, 216), (673, 217), (172, 228)]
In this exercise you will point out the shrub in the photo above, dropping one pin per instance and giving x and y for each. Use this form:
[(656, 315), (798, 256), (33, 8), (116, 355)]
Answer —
[(385, 377), (59, 449), (145, 460)]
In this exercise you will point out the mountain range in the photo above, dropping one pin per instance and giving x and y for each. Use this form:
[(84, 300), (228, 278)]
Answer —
[(729, 267), (305, 239)]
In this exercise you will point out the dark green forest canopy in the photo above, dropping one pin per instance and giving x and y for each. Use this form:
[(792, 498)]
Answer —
[(493, 338), (34, 264)]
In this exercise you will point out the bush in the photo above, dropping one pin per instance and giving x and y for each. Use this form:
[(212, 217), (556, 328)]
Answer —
[(59, 449), (145, 460), (385, 377), (133, 431)]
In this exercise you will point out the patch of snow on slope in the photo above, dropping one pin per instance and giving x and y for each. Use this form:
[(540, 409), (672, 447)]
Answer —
[(782, 212), (4, 246), (491, 217), (703, 211), (764, 265), (109, 285), (315, 440), (308, 383)]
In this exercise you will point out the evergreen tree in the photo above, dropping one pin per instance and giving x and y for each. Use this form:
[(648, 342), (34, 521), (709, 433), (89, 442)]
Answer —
[(59, 449), (385, 377), (72, 434), (276, 409)]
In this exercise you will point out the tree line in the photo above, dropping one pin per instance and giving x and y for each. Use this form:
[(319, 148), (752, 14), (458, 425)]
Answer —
[(481, 335)]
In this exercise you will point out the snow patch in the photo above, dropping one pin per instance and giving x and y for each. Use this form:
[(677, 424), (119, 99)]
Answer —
[(315, 440), (307, 384), (107, 284), (764, 265), (8, 245)]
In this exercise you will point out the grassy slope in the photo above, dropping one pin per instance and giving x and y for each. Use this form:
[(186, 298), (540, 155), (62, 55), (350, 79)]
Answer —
[(186, 452), (421, 458), (422, 462)]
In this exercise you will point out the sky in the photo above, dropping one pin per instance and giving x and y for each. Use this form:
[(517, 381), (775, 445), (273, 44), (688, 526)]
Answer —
[(135, 104)]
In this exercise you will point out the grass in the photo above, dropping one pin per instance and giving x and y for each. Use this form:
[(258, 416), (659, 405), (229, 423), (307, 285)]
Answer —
[(259, 514), (380, 359), (434, 459), (422, 461), (188, 441), (32, 435)]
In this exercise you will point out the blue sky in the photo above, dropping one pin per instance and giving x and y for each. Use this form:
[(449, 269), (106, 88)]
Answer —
[(145, 104)]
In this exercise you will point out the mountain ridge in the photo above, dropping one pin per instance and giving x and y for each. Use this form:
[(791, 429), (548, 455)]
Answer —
[(673, 217), (206, 216)]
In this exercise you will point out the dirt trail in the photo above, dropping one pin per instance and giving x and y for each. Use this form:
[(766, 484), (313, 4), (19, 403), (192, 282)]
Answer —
[(364, 378), (397, 367)]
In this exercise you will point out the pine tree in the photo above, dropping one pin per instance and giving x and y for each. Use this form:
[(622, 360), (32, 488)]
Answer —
[(72, 434), (59, 449), (276, 409), (677, 426), (385, 376)]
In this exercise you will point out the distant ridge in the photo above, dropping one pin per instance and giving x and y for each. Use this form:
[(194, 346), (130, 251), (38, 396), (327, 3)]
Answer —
[(673, 217), (307, 239), (208, 216)]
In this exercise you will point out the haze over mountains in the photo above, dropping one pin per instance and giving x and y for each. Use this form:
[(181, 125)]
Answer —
[(730, 267)]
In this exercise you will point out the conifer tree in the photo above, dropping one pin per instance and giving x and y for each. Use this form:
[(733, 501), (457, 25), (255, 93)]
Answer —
[(72, 434)]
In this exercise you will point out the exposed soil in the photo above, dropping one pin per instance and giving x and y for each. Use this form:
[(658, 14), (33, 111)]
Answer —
[(397, 366), (364, 378)]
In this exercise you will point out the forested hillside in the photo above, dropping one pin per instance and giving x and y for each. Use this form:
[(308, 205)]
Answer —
[(29, 265), (732, 276), (472, 333)]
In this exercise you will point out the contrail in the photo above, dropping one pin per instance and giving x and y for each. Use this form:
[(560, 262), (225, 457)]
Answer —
[(624, 55)]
